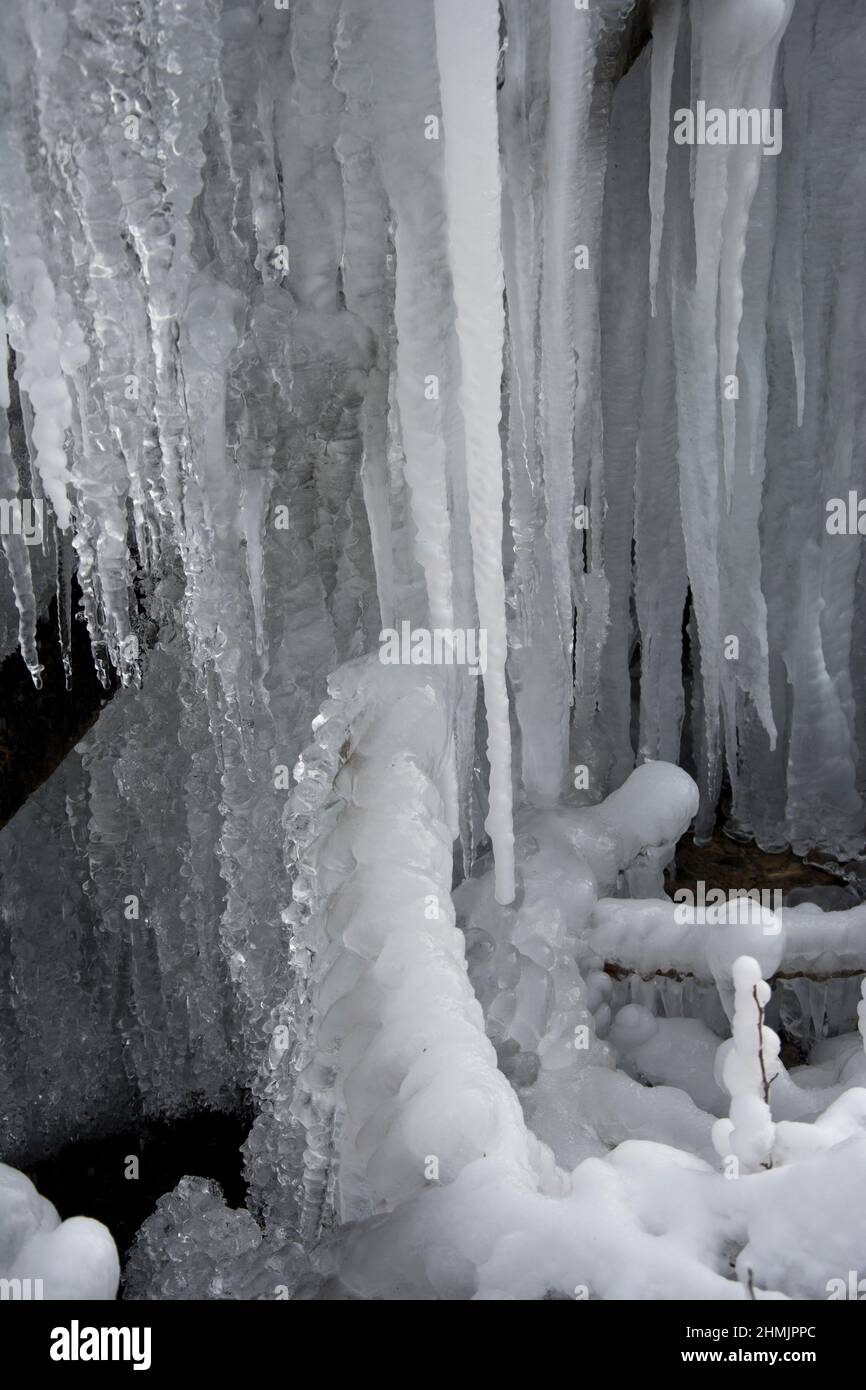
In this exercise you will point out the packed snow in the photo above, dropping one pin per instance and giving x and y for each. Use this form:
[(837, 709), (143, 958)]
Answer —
[(53, 1259)]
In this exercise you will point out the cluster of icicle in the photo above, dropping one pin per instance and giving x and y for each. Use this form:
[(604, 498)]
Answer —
[(220, 217)]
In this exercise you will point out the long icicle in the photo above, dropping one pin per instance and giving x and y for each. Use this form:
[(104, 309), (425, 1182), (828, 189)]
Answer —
[(467, 43), (666, 28)]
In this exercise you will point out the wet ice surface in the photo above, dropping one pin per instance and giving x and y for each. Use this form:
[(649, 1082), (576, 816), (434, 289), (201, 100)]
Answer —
[(253, 264)]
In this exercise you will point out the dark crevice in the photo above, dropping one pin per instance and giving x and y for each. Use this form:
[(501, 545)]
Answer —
[(89, 1176)]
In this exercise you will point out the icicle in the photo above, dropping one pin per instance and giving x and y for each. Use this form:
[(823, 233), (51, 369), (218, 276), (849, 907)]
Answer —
[(660, 580), (695, 362), (666, 27), (539, 668), (572, 56), (15, 547), (746, 682), (255, 506), (744, 170), (5, 399), (43, 358), (730, 58), (423, 442), (737, 47), (592, 590), (789, 245), (467, 46), (368, 293), (389, 162), (623, 316)]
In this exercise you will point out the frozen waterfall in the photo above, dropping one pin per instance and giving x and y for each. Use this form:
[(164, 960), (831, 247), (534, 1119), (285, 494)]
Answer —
[(434, 430)]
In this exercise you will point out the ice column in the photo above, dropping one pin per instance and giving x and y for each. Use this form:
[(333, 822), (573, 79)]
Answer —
[(467, 47), (539, 655), (666, 27)]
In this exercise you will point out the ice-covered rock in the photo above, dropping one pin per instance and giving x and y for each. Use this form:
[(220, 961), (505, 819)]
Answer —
[(194, 1246)]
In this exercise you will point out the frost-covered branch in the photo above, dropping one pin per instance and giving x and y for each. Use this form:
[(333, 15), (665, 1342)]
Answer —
[(745, 1068)]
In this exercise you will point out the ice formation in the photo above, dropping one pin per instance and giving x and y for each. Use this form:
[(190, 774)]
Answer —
[(746, 1067), (336, 315)]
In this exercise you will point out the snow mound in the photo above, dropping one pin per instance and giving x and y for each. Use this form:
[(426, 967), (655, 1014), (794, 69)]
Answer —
[(74, 1259)]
